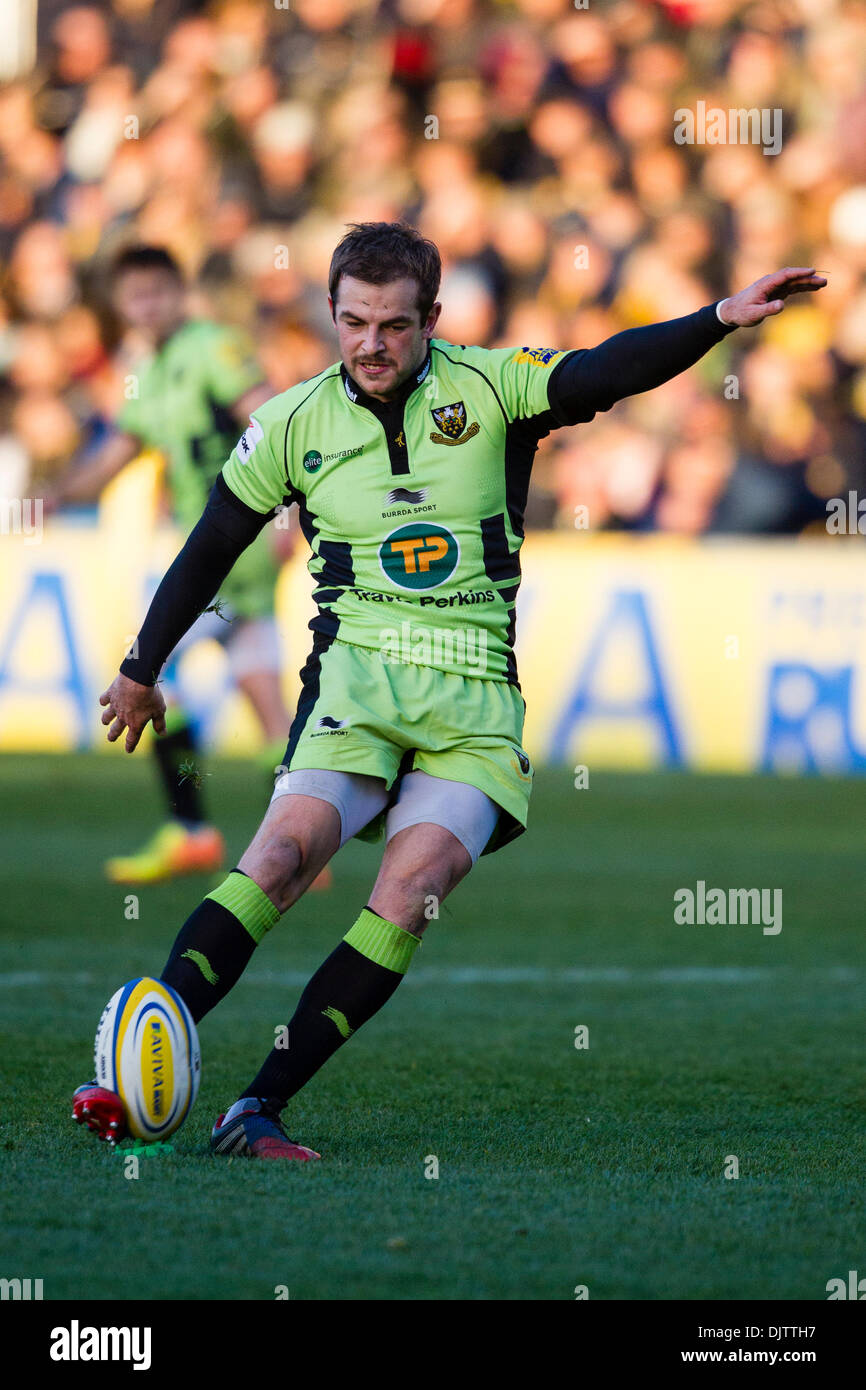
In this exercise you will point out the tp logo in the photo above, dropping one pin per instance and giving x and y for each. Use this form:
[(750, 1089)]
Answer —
[(419, 556)]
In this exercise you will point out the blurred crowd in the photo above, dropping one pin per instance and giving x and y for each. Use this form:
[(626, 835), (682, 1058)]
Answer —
[(533, 141)]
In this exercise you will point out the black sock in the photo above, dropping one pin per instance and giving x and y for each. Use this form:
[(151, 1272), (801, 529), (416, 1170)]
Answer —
[(209, 956), (181, 790), (344, 993)]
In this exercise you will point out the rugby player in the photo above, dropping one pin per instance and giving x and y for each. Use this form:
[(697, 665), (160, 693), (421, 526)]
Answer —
[(409, 460), (196, 385)]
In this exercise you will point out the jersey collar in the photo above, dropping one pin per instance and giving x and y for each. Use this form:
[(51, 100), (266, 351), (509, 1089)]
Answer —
[(358, 396)]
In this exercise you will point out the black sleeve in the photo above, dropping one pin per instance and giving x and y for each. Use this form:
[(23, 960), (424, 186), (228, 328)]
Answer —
[(593, 379), (224, 530)]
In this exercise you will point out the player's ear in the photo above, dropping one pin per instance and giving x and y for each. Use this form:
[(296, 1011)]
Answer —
[(432, 319), (332, 309)]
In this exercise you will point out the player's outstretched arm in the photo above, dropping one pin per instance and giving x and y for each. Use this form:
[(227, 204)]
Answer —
[(225, 529), (594, 379)]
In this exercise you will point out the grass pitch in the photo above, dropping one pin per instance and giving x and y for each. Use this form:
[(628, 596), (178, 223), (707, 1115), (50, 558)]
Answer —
[(602, 1166)]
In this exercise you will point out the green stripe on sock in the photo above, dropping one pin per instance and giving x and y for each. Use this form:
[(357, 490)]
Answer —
[(340, 1019), (203, 964), (243, 897), (382, 942)]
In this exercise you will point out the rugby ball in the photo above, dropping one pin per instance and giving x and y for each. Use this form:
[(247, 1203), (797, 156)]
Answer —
[(147, 1051)]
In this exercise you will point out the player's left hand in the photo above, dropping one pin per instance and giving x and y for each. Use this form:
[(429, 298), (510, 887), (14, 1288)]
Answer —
[(767, 296)]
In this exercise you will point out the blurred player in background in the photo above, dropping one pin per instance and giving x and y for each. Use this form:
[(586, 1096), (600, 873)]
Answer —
[(195, 385)]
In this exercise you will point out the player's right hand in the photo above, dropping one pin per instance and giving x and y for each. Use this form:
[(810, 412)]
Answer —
[(131, 706), (767, 296)]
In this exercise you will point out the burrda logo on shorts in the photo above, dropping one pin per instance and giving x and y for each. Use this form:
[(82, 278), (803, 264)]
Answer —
[(419, 556), (328, 726)]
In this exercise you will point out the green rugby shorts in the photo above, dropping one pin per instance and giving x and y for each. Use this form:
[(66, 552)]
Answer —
[(360, 713)]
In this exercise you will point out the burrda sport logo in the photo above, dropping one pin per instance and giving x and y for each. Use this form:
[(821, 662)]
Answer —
[(419, 556)]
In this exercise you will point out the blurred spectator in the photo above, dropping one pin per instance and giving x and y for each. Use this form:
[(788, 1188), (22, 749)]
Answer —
[(534, 142)]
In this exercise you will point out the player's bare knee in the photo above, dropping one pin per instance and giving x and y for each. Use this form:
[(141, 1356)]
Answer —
[(422, 864), (412, 893), (444, 871), (275, 861)]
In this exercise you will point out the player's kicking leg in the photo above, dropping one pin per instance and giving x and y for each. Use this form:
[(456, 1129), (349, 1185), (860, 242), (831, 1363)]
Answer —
[(297, 837), (258, 678), (436, 830), (358, 977), (423, 862)]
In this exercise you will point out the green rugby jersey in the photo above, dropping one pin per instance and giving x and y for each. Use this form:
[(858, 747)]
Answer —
[(413, 508), (186, 389)]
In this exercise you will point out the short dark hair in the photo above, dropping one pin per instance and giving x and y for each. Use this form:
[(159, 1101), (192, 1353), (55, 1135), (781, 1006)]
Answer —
[(142, 257), (379, 252)]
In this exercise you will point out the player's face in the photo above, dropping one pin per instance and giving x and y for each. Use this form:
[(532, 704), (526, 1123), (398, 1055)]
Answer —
[(151, 301), (382, 338)]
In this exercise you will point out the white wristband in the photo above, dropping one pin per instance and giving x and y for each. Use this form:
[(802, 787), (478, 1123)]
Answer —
[(718, 314)]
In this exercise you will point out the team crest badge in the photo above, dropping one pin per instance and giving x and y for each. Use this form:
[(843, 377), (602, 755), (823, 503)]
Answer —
[(451, 419)]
